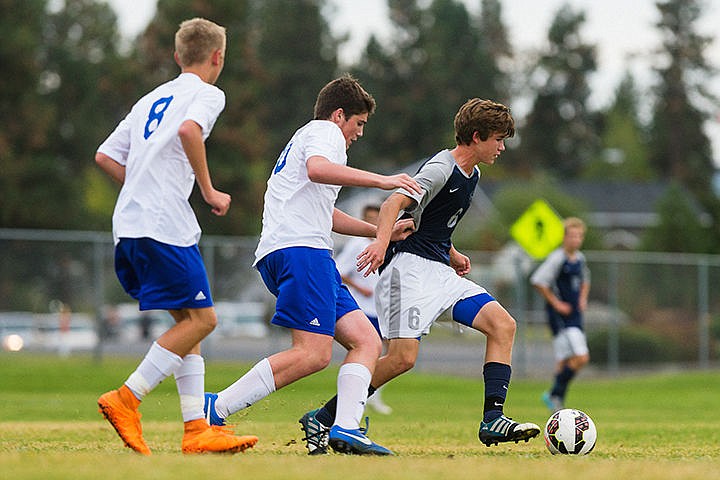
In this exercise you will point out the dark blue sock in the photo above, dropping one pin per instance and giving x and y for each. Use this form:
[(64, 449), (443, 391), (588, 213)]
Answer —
[(497, 380), (562, 379)]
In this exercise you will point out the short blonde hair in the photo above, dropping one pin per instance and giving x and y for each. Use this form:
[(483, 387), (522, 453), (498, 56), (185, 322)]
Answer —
[(197, 39), (574, 222)]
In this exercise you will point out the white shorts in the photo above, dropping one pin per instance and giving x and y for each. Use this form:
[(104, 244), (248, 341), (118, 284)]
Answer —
[(413, 291), (570, 342)]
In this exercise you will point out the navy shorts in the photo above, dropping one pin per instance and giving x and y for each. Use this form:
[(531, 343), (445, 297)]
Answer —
[(162, 276), (309, 290)]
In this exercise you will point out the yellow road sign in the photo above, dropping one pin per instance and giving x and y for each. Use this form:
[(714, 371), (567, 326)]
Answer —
[(539, 230)]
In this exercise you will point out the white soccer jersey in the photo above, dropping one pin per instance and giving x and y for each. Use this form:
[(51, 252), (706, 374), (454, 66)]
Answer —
[(297, 211), (346, 262), (153, 201)]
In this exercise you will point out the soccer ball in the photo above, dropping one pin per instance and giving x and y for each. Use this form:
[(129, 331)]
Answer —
[(570, 432)]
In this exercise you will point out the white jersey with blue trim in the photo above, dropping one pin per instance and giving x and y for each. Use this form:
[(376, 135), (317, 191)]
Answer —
[(154, 199), (447, 195), (298, 212)]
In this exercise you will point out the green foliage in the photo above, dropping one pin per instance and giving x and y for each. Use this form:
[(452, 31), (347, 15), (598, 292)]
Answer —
[(680, 148), (638, 345), (559, 134), (447, 48), (68, 80), (679, 229), (624, 154)]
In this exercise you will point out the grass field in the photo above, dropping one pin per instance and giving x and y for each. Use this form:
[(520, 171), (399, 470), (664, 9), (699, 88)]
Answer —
[(649, 427)]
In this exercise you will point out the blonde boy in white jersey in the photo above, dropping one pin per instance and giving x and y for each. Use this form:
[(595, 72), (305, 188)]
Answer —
[(294, 257), (158, 153)]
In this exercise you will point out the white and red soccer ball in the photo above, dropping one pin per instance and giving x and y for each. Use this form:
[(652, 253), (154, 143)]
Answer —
[(570, 432)]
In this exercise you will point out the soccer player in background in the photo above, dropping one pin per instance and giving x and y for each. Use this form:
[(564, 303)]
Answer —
[(423, 275), (294, 258), (563, 280), (158, 153)]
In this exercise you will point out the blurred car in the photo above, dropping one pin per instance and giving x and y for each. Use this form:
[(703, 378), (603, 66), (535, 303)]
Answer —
[(241, 319), (43, 331)]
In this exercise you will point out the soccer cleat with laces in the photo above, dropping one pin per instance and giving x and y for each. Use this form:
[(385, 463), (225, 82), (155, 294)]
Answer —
[(504, 429), (210, 414), (202, 438), (354, 442), (316, 434), (120, 408)]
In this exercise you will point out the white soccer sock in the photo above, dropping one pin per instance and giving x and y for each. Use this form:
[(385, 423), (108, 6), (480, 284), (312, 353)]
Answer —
[(190, 381), (255, 385), (158, 364), (352, 386)]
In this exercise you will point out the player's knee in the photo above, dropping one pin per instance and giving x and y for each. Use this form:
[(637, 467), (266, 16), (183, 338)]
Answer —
[(504, 328), (403, 362), (317, 359), (207, 321)]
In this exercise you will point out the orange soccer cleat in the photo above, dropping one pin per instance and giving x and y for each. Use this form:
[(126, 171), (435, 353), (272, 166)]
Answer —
[(120, 408), (201, 438)]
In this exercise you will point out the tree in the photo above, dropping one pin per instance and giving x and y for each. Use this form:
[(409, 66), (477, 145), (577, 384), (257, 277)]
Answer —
[(679, 229), (559, 134), (439, 58), (624, 140), (680, 148), (61, 83)]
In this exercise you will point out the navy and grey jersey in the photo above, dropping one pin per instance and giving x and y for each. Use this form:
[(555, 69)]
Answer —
[(447, 194), (565, 277)]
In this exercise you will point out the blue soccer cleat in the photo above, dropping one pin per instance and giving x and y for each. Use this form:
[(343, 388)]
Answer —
[(504, 429), (354, 442), (210, 414), (316, 434)]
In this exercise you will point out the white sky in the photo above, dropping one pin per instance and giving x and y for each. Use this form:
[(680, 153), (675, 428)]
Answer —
[(623, 31)]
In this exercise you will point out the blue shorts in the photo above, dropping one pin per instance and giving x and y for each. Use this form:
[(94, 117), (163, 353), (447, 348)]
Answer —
[(467, 309), (162, 276), (309, 290)]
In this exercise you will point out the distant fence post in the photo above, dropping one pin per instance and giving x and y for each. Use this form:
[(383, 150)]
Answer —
[(614, 327), (703, 314), (99, 293), (521, 317)]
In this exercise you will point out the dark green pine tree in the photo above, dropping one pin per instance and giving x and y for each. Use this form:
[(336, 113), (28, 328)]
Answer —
[(624, 139), (680, 149), (438, 58), (560, 131)]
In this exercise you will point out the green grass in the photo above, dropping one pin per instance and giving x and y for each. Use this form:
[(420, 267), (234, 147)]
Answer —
[(649, 427)]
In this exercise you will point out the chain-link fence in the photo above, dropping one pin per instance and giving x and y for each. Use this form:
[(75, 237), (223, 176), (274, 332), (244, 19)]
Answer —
[(646, 309)]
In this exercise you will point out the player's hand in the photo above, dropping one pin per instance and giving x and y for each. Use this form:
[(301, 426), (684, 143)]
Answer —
[(219, 201), (371, 258), (401, 180), (563, 308), (459, 262), (402, 229)]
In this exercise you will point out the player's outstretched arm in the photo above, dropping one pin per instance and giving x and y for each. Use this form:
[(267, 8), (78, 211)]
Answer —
[(321, 170)]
